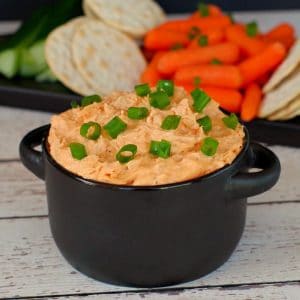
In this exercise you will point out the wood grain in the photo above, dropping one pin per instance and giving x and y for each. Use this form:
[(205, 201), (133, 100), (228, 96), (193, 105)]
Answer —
[(288, 187), (14, 124), (21, 193), (32, 266), (267, 292)]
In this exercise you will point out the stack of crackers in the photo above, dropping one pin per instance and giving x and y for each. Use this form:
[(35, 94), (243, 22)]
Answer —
[(282, 92), (98, 53)]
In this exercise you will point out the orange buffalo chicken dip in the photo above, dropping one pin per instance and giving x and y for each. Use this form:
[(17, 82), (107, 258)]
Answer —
[(147, 137)]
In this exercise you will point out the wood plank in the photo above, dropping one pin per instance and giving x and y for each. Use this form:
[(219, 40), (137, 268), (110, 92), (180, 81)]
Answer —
[(288, 187), (22, 194), (268, 252), (269, 291), (14, 124)]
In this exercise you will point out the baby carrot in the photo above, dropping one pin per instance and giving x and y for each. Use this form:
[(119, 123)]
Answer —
[(214, 36), (251, 103), (283, 33), (283, 29), (151, 74), (215, 75), (213, 10), (229, 99), (201, 23), (250, 45), (256, 66), (173, 60), (158, 39)]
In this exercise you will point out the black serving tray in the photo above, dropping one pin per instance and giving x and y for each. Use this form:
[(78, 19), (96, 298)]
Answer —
[(54, 97)]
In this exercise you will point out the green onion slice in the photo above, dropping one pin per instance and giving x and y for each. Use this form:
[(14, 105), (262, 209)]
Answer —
[(193, 33), (142, 89), (90, 100), (114, 127), (209, 146), (160, 148), (74, 104), (203, 40), (159, 99), (78, 151), (126, 153), (137, 113), (231, 121), (216, 61), (205, 123), (203, 9), (90, 130), (171, 122), (201, 99), (166, 86), (252, 29)]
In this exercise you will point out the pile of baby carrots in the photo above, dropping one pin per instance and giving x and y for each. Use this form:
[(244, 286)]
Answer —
[(230, 61)]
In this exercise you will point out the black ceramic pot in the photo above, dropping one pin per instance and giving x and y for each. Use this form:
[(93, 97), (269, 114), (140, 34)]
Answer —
[(149, 236)]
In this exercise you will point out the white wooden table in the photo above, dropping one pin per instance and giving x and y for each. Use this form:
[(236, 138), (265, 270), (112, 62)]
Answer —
[(265, 265)]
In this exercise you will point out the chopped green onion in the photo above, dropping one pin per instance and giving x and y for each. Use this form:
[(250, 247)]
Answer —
[(197, 81), (123, 157), (201, 99), (115, 126), (137, 113), (78, 151), (205, 123), (142, 89), (159, 99), (203, 9), (90, 130), (203, 40), (209, 146), (231, 121), (166, 86), (216, 61), (160, 148), (193, 33), (252, 29), (170, 122), (74, 104), (90, 100), (177, 46)]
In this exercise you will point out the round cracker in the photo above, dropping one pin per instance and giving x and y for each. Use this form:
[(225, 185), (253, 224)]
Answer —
[(59, 58), (291, 62), (134, 17), (290, 116), (282, 96), (288, 112), (108, 59)]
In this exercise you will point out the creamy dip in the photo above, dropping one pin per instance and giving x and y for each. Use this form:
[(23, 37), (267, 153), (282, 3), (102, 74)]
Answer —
[(186, 161)]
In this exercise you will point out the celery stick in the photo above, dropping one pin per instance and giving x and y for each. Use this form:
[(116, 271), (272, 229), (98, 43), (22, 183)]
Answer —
[(9, 62), (46, 76), (32, 60)]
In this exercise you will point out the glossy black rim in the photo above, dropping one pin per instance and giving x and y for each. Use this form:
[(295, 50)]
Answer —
[(147, 188)]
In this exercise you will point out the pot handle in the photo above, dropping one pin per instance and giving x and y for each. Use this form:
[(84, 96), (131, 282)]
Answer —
[(31, 158), (245, 184)]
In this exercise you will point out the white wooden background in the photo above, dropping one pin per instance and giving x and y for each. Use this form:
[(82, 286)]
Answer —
[(266, 264)]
